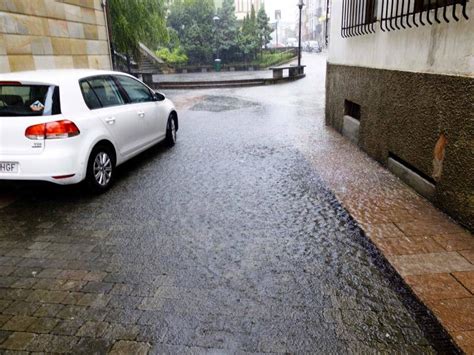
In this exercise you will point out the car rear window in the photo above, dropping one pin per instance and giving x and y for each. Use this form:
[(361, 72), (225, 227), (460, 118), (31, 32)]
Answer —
[(29, 100)]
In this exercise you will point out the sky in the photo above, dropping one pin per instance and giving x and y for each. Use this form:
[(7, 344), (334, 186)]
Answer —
[(288, 9)]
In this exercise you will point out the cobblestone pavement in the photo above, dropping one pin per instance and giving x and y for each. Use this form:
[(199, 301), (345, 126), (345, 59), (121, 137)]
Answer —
[(229, 242)]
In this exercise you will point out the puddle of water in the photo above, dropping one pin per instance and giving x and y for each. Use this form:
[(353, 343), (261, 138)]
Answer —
[(214, 103)]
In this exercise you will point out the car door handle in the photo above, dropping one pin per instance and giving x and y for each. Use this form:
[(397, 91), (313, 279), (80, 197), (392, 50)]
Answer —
[(110, 120), (141, 114)]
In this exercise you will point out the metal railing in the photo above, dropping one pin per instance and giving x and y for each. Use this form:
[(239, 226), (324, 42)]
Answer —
[(402, 14), (359, 16), (122, 62)]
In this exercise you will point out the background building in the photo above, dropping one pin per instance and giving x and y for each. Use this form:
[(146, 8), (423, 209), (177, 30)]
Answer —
[(243, 7), (400, 84), (45, 34), (313, 21)]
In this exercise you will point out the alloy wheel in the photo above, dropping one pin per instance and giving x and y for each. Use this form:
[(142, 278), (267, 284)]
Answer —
[(172, 128), (102, 169)]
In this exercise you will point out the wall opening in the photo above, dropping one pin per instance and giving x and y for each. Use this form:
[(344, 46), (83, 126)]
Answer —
[(351, 121), (423, 184), (352, 109)]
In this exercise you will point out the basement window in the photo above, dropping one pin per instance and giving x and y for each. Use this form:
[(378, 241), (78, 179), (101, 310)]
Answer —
[(420, 182), (352, 109), (411, 167)]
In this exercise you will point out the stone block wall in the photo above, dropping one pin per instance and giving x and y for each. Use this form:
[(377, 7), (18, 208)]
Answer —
[(53, 34)]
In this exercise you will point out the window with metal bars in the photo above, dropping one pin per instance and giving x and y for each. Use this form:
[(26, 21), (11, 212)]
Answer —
[(358, 17), (402, 14), (423, 5)]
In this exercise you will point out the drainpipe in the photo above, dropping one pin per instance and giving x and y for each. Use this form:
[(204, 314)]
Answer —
[(326, 39), (109, 32)]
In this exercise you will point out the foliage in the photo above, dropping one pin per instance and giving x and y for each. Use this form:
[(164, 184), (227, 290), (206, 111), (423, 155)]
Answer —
[(176, 57), (227, 32), (192, 27), (264, 29), (248, 39), (173, 39), (268, 59), (192, 21), (135, 21)]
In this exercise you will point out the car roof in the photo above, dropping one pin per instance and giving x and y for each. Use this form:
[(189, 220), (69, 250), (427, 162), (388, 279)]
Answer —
[(54, 76), (66, 79)]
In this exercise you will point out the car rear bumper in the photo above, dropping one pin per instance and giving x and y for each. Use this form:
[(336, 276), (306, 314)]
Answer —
[(61, 167)]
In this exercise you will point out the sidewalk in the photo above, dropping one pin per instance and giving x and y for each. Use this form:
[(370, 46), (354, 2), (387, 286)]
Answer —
[(433, 254)]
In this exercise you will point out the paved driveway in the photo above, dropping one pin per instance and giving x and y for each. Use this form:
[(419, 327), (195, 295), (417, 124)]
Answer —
[(227, 243)]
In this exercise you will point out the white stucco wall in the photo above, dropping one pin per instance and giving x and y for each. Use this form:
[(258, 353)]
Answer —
[(446, 48)]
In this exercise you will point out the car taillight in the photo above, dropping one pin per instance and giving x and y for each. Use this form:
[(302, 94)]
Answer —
[(35, 132), (52, 130)]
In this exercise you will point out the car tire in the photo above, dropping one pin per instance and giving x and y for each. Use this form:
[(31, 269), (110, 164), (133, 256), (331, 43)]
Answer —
[(100, 169), (171, 131)]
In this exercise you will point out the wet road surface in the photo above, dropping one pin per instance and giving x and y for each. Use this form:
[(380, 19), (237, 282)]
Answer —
[(227, 243)]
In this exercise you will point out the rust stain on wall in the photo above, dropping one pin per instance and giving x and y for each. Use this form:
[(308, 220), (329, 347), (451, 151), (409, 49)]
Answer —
[(438, 156)]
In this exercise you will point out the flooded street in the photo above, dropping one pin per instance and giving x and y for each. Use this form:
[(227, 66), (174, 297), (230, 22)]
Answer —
[(230, 242)]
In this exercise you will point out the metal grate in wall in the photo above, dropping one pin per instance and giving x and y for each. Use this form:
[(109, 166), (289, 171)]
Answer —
[(358, 17), (402, 14)]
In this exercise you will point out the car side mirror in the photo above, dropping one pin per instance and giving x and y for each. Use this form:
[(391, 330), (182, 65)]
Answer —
[(159, 96)]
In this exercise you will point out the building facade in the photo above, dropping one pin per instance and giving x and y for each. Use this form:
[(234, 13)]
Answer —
[(400, 84), (243, 7), (313, 20), (48, 34)]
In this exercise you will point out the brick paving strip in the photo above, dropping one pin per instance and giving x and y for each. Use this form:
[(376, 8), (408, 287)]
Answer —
[(433, 254)]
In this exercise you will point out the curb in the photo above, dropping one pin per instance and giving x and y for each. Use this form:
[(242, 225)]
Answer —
[(225, 83)]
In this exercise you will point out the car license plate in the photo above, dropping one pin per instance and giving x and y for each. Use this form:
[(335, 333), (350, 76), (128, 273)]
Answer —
[(8, 167)]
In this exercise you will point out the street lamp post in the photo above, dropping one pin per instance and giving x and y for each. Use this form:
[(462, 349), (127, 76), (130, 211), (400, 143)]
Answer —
[(216, 20), (300, 6)]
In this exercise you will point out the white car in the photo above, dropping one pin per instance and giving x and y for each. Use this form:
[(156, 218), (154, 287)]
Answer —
[(67, 126)]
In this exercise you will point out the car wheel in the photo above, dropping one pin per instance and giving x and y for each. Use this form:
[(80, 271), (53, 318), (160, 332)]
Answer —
[(100, 169), (171, 131)]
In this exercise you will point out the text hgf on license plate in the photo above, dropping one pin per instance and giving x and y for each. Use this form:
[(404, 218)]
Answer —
[(8, 167)]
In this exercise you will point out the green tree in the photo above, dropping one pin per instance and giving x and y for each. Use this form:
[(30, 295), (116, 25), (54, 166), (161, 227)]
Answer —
[(227, 31), (192, 21), (252, 23), (263, 27), (135, 21), (249, 38)]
